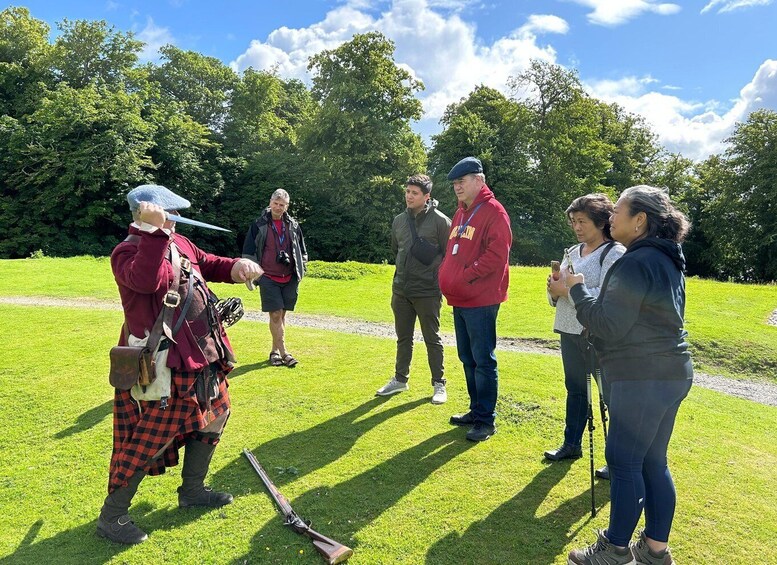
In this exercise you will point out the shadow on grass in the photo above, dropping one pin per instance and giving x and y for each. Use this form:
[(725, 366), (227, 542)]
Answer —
[(88, 419), (306, 451), (515, 532), (243, 369), (350, 506), (82, 545)]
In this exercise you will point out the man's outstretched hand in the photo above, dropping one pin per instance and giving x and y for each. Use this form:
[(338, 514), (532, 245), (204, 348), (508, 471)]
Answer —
[(246, 270)]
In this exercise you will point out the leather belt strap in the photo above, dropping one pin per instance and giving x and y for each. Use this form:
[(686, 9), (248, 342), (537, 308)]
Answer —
[(170, 302)]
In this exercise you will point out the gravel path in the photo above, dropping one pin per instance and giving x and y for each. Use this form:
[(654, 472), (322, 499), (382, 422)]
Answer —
[(765, 393)]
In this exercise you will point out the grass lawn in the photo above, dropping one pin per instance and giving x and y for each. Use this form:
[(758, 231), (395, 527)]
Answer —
[(726, 321), (388, 477)]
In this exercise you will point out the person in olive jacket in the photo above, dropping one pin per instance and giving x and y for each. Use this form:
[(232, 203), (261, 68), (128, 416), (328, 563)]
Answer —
[(415, 291)]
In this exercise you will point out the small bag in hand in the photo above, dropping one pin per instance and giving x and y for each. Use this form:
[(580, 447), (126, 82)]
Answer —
[(421, 249), (130, 366)]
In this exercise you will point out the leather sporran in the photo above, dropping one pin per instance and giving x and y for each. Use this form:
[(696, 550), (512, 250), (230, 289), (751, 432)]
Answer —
[(130, 365), (158, 387)]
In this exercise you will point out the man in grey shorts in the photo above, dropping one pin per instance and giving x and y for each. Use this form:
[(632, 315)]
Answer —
[(274, 240)]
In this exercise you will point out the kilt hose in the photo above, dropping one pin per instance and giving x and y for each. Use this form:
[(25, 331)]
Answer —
[(142, 428)]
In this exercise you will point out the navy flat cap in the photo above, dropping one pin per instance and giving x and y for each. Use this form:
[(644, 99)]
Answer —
[(466, 166), (156, 194)]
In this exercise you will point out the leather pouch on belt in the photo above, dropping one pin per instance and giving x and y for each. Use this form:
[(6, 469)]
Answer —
[(130, 365)]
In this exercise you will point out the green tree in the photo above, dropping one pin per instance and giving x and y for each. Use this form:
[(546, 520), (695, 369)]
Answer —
[(88, 52), (360, 147), (495, 129), (636, 155), (69, 166), (261, 138), (254, 123), (24, 62), (570, 157), (202, 85), (741, 192)]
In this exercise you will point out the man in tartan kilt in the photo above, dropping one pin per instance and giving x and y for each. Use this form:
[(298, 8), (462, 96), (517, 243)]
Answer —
[(148, 433)]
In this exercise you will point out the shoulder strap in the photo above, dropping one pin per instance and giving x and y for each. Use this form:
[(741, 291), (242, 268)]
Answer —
[(170, 302), (411, 222), (607, 248)]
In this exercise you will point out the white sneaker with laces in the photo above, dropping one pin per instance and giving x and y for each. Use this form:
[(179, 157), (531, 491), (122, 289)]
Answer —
[(440, 395), (392, 387)]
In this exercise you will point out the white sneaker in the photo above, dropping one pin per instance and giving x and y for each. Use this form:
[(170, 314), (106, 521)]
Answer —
[(440, 394), (392, 387)]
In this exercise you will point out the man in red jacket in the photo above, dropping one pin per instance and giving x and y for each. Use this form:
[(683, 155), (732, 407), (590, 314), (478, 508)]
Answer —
[(473, 278), (192, 411)]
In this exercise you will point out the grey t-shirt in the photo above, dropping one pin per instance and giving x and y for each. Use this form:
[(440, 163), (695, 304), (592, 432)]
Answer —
[(594, 271)]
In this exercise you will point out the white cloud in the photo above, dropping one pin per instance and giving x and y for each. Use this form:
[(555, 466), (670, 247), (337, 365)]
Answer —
[(731, 5), (542, 23), (442, 50), (446, 53), (154, 37), (694, 129), (616, 12)]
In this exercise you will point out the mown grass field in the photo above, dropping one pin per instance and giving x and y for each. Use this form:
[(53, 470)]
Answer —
[(388, 477), (726, 322)]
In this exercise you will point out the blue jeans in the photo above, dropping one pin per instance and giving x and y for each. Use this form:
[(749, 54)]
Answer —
[(476, 343), (642, 417)]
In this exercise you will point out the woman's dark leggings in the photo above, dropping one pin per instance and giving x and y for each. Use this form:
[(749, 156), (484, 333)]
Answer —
[(642, 416)]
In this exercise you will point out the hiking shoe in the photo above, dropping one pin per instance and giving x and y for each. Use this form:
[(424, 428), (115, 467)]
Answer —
[(645, 556), (481, 432), (462, 419), (440, 395), (121, 530), (206, 497), (566, 451), (392, 387), (603, 473), (601, 553)]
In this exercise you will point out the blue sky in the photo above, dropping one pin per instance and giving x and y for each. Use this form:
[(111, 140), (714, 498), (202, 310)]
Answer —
[(692, 69)]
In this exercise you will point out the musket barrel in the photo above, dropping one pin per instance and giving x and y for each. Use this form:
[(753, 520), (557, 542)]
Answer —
[(329, 549)]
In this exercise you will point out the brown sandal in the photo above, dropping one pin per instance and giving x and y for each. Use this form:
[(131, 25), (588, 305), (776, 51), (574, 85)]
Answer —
[(289, 360), (275, 359)]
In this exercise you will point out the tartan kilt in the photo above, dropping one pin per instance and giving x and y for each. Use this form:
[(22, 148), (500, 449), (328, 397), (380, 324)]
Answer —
[(142, 428)]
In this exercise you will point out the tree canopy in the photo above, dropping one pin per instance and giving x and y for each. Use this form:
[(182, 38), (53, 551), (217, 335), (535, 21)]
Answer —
[(82, 121)]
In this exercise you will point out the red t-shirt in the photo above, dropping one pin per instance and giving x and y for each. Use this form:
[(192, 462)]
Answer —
[(277, 239)]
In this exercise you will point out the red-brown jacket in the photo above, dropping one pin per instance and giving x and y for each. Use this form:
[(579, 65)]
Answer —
[(144, 275), (478, 273)]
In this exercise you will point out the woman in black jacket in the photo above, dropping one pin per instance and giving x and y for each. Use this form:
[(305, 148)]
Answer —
[(637, 324)]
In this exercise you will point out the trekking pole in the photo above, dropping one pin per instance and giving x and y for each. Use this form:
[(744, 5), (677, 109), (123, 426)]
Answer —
[(602, 405), (591, 440)]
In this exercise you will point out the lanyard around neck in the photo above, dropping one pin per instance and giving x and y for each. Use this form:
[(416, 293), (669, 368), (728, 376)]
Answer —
[(279, 236), (463, 227)]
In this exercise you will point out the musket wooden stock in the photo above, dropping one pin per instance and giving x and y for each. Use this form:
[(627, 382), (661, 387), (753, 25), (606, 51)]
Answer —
[(329, 549)]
